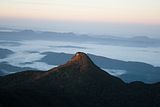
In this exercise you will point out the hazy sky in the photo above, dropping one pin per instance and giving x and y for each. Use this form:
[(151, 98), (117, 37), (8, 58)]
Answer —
[(114, 17)]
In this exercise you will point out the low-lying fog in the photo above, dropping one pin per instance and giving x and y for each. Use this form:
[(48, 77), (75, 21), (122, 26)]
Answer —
[(29, 51)]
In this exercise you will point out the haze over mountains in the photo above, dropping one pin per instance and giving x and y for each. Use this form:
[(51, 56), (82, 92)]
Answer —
[(77, 83), (137, 41)]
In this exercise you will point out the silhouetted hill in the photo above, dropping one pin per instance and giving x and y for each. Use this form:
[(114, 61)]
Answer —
[(6, 68), (4, 53), (78, 83)]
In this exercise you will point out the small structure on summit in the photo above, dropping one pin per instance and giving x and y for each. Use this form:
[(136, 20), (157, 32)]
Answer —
[(77, 54)]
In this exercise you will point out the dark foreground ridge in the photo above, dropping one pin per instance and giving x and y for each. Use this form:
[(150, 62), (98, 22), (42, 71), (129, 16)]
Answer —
[(78, 83)]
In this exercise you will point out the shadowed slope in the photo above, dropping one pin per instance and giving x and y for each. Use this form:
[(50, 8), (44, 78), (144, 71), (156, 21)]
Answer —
[(78, 83)]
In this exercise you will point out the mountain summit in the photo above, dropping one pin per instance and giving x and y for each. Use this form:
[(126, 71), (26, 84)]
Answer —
[(78, 83), (81, 62), (81, 58)]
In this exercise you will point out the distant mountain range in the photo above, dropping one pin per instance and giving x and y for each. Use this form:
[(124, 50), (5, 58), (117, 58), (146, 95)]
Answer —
[(138, 41), (78, 83)]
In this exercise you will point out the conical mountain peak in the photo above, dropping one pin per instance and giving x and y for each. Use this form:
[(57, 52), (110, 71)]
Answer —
[(79, 62), (82, 59)]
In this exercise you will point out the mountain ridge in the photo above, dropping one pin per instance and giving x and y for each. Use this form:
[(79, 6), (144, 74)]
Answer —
[(75, 84), (138, 41)]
